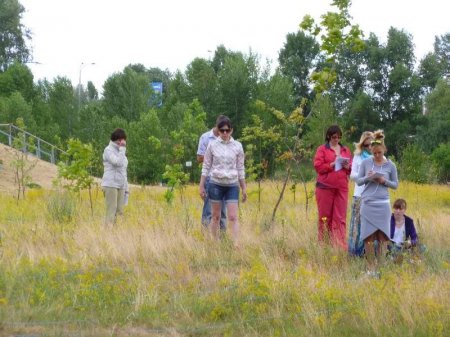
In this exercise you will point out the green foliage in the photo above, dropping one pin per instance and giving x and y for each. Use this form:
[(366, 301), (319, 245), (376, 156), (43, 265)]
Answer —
[(75, 166), (61, 206), (147, 148), (322, 116), (13, 34), (441, 160), (176, 180), (415, 165), (337, 34), (185, 139)]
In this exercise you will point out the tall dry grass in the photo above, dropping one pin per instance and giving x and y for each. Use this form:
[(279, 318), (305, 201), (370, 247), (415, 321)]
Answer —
[(158, 273)]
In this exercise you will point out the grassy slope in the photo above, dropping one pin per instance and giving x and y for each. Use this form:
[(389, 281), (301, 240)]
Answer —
[(157, 274)]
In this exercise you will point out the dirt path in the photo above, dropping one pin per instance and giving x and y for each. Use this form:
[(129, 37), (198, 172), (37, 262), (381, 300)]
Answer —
[(42, 174)]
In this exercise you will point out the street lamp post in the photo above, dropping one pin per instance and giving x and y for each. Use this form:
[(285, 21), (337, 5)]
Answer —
[(82, 65)]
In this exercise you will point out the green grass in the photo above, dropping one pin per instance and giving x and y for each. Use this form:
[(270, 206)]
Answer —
[(158, 274)]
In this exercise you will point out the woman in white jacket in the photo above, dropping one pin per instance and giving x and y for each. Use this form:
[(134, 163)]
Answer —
[(362, 151), (114, 181)]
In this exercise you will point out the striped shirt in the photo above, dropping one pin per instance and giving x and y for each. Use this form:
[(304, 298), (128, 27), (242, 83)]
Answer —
[(224, 162)]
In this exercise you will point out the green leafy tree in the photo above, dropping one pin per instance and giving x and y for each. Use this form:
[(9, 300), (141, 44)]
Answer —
[(63, 106), (336, 34), (434, 130), (236, 88), (297, 60), (127, 94), (441, 160), (17, 78), (185, 139), (13, 34), (202, 82), (147, 148), (74, 170), (276, 91), (262, 145)]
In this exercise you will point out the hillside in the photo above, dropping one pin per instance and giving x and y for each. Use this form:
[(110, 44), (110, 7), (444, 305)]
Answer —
[(42, 174)]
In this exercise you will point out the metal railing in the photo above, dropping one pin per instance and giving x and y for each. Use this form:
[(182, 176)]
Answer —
[(42, 149)]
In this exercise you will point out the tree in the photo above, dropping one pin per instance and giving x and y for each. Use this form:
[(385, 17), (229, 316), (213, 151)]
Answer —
[(63, 106), (148, 147), (235, 89), (185, 139), (75, 168), (297, 60), (17, 78), (13, 34), (127, 94), (434, 130), (22, 164), (276, 91), (337, 34), (202, 82)]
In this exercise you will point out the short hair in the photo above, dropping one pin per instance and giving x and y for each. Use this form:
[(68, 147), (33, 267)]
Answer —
[(118, 134), (219, 118), (224, 121), (331, 131), (399, 204)]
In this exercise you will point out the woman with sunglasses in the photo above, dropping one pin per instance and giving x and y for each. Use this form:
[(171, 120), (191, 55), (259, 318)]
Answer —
[(223, 162), (362, 151), (332, 163)]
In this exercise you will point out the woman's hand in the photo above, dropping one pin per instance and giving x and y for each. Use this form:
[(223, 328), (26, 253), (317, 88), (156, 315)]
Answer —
[(202, 191), (244, 195)]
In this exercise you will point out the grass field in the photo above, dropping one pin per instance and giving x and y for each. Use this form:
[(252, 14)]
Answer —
[(62, 273)]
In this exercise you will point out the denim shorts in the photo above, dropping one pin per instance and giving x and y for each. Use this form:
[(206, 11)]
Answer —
[(217, 193)]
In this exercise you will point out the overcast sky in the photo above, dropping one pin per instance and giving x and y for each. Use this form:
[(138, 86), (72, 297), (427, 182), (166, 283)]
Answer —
[(169, 34)]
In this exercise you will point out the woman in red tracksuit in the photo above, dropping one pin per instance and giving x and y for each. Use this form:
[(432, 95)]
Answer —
[(332, 163)]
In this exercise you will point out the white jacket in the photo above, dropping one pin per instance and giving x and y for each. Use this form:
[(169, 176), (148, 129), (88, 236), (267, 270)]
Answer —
[(115, 165)]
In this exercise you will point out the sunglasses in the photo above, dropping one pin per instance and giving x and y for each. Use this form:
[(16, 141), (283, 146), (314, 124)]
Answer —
[(225, 130), (336, 137), (367, 145)]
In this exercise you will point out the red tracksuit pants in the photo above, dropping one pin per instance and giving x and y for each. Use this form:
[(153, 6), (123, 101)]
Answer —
[(332, 209)]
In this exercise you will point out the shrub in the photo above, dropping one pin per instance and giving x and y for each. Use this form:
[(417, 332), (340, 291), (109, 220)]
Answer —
[(61, 206), (441, 161), (415, 165)]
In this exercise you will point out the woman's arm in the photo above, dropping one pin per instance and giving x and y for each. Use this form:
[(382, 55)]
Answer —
[(362, 175), (392, 182), (114, 158), (356, 163), (321, 165)]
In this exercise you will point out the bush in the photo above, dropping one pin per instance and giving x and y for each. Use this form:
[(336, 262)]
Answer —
[(441, 161), (61, 206), (415, 165)]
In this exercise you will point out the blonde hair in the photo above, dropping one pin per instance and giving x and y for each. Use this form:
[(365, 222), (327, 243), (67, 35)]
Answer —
[(378, 139), (359, 146)]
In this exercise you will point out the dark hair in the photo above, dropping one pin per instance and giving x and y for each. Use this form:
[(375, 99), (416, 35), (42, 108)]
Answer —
[(219, 118), (224, 121), (399, 204), (118, 134), (331, 131)]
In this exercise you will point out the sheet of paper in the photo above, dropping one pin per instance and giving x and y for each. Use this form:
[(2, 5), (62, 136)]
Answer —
[(340, 162)]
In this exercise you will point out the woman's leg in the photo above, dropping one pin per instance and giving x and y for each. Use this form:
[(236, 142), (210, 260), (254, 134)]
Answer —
[(232, 211), (382, 246), (370, 251), (324, 199), (216, 207), (111, 204)]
